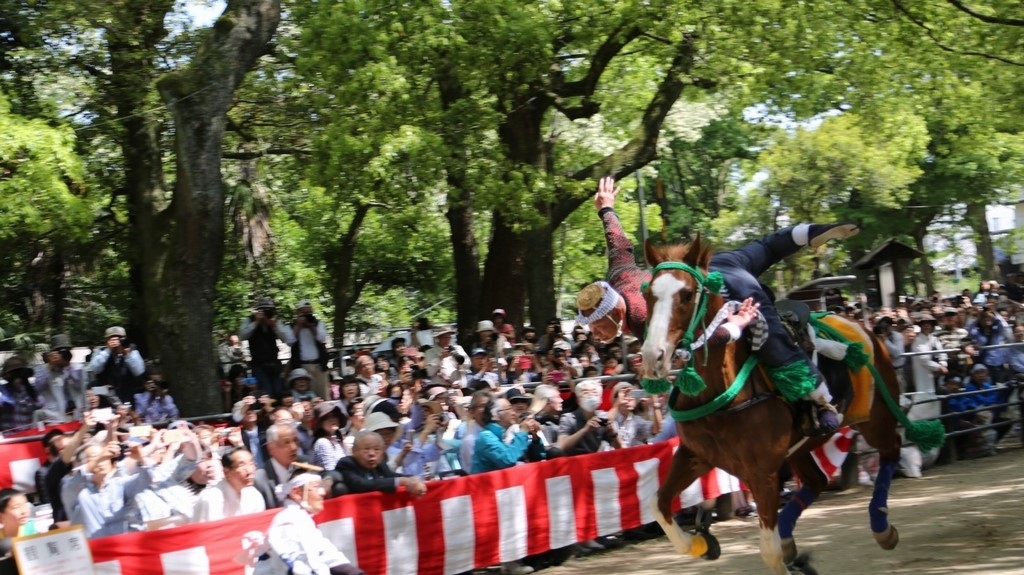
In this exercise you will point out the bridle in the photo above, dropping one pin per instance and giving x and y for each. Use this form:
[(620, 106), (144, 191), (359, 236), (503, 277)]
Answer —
[(688, 380)]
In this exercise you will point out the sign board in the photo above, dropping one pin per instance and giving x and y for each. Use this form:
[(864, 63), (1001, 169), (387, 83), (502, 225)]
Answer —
[(58, 552)]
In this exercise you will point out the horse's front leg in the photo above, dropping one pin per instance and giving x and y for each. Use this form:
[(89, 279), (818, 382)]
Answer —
[(684, 469), (765, 490)]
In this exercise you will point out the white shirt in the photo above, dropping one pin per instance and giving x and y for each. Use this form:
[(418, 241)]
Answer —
[(295, 537), (221, 501)]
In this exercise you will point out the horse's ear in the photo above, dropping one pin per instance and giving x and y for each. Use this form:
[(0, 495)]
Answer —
[(693, 252), (651, 253)]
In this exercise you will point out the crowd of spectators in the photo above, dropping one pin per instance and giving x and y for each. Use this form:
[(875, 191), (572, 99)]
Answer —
[(422, 410)]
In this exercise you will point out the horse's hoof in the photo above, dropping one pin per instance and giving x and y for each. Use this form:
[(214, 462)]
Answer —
[(888, 539), (714, 549), (789, 550), (802, 564)]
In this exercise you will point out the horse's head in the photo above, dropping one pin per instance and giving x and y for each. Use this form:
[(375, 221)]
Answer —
[(674, 299)]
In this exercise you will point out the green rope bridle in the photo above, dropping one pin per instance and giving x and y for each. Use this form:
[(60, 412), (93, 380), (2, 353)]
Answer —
[(688, 381)]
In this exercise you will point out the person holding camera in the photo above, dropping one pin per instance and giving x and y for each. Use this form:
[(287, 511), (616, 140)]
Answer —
[(118, 366), (262, 329), (154, 403), (309, 347), (585, 429), (61, 384), (445, 360)]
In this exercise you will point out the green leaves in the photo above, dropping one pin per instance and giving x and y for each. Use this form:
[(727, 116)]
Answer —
[(40, 180)]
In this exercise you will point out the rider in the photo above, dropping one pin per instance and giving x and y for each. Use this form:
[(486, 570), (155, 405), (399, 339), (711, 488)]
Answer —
[(617, 306)]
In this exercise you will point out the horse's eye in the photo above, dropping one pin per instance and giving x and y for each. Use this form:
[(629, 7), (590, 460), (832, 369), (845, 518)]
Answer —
[(686, 296)]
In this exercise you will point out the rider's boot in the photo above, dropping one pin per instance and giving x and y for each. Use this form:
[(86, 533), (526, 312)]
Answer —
[(814, 235)]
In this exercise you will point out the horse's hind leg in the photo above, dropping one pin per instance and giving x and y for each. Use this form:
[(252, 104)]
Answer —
[(813, 481), (880, 432), (684, 469)]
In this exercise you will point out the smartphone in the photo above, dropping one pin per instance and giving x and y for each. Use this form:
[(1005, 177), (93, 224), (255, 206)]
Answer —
[(172, 436), (101, 390), (638, 394), (103, 414), (140, 431), (556, 376), (409, 434)]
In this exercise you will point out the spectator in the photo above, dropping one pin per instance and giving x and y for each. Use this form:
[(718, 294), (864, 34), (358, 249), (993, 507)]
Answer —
[(952, 336), (230, 353), (927, 367), (483, 375), (62, 466), (16, 520), (349, 393), (262, 330), (502, 327), (493, 342), (632, 429), (369, 381), (549, 416), (236, 494), (584, 430), (19, 399), (177, 479), (1015, 355), (53, 442), (299, 381), (295, 538), (445, 361), (61, 383), (283, 448), (305, 425), (366, 470), (118, 365), (989, 330), (328, 445), (491, 452), (472, 426), (309, 350), (99, 498), (252, 432), (894, 343), (154, 403)]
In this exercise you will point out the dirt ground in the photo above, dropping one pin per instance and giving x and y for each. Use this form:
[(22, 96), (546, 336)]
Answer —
[(962, 518)]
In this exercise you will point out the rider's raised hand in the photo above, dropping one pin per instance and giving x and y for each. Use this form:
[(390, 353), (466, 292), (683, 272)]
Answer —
[(606, 193), (744, 315)]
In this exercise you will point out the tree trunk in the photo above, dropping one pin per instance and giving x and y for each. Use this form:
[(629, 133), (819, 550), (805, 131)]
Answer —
[(504, 282), (183, 291), (467, 268), (540, 279), (345, 290), (975, 217)]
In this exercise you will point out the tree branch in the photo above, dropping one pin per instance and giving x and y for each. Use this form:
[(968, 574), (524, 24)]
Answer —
[(642, 147), (267, 152), (611, 47), (938, 43), (986, 19)]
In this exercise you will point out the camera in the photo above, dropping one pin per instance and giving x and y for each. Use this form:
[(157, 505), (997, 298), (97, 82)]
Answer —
[(124, 342), (310, 318), (268, 312)]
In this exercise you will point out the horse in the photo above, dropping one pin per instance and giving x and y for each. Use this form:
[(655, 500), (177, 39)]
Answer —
[(745, 427)]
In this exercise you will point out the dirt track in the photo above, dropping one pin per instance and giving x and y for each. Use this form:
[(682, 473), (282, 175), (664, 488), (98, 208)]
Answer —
[(961, 518)]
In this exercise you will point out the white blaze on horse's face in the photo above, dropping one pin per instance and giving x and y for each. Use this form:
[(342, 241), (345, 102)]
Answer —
[(658, 343)]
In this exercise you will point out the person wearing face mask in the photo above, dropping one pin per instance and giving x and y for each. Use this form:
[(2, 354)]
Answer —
[(59, 382), (294, 537), (586, 428)]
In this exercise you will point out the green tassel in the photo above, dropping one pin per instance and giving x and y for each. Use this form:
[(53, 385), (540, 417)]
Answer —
[(856, 357), (794, 380), (926, 434), (655, 386), (689, 382)]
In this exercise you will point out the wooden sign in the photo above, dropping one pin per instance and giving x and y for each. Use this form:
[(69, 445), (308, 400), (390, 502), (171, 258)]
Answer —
[(58, 552)]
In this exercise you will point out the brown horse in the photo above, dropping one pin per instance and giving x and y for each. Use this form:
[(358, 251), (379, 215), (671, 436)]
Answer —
[(749, 438)]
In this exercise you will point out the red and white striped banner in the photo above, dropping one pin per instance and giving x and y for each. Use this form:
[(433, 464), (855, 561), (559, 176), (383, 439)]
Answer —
[(832, 454), (460, 524)]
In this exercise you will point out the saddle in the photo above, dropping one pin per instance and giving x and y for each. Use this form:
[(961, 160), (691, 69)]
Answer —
[(795, 316)]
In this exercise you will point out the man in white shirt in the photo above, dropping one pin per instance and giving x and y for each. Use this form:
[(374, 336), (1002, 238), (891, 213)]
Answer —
[(236, 494), (61, 383)]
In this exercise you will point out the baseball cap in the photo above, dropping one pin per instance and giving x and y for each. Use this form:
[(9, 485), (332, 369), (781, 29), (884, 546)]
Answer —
[(478, 351)]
